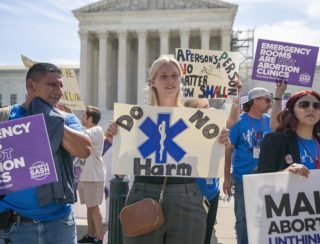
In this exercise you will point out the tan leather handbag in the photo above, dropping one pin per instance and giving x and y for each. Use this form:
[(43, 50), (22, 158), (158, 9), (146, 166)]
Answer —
[(144, 216)]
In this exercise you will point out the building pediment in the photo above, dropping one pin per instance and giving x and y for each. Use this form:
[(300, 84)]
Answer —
[(140, 5)]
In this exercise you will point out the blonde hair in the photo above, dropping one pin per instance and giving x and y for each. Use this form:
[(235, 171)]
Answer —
[(192, 102), (152, 96)]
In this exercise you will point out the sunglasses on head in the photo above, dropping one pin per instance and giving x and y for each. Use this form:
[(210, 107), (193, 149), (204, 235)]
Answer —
[(307, 104)]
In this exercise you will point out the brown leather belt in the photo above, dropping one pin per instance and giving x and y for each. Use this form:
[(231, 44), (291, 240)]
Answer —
[(20, 219), (9, 218)]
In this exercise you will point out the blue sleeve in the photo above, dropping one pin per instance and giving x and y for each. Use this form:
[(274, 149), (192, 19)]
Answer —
[(73, 122), (233, 133)]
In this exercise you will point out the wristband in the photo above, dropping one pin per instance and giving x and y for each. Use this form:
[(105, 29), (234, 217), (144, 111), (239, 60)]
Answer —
[(276, 98)]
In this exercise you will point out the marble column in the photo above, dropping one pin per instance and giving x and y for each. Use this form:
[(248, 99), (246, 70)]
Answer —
[(205, 38), (142, 66), (164, 41), (84, 40), (225, 39), (122, 66), (184, 37), (102, 78)]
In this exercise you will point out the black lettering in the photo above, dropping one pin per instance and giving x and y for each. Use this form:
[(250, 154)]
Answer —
[(184, 169), (198, 116), (125, 121), (157, 170), (309, 224), (189, 68), (271, 205), (273, 228), (210, 131), (169, 168), (203, 90), (297, 225), (302, 205), (285, 226), (139, 167), (180, 55), (136, 112)]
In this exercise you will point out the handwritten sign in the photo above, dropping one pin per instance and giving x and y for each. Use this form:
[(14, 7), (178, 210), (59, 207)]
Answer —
[(290, 62), (208, 73), (282, 208), (162, 141), (71, 97), (24, 164)]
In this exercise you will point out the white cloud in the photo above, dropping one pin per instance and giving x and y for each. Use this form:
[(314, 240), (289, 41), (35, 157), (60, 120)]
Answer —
[(290, 31), (313, 10), (71, 5)]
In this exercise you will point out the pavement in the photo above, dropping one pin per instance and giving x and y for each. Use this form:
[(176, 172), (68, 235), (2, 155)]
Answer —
[(224, 232)]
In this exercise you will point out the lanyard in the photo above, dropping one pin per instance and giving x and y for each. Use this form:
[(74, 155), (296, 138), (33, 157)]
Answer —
[(254, 130), (316, 160)]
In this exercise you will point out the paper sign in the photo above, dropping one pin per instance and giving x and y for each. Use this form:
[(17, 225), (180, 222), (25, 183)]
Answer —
[(71, 94), (162, 141), (25, 154), (293, 63), (208, 73), (282, 208)]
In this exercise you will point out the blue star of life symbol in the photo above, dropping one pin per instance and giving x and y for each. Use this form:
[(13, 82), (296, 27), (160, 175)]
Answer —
[(160, 138)]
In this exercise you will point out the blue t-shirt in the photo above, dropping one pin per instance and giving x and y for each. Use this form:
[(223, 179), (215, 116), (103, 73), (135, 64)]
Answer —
[(309, 155), (25, 202), (209, 187), (246, 134)]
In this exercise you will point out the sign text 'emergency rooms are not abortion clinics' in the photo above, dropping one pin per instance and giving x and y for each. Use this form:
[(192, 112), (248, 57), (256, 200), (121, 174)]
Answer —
[(294, 63), (25, 154)]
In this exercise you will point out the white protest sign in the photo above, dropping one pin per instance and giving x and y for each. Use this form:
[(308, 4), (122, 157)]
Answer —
[(282, 208), (71, 94), (162, 141), (208, 73)]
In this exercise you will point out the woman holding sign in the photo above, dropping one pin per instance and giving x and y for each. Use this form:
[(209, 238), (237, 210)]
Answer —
[(294, 147), (184, 214)]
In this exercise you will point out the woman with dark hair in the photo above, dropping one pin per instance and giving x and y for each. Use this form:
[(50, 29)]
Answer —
[(294, 147)]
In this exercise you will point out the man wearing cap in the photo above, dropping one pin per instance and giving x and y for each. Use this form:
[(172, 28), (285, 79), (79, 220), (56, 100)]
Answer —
[(246, 136)]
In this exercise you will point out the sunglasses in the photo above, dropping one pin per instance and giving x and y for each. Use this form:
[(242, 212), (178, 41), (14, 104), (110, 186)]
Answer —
[(307, 104)]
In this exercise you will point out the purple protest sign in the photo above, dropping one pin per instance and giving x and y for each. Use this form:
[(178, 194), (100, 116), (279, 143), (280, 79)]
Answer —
[(25, 154), (293, 63)]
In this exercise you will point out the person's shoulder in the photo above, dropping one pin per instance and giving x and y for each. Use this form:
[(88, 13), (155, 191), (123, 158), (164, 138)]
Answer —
[(266, 115), (275, 136)]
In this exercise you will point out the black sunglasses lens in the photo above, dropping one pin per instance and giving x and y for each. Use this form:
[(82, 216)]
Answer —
[(304, 104), (316, 105)]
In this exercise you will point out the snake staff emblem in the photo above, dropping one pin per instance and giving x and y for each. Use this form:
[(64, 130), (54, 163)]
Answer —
[(162, 131)]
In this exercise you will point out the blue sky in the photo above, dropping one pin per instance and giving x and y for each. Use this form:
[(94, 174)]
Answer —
[(46, 30)]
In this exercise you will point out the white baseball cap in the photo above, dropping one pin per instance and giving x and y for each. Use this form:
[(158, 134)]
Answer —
[(258, 92)]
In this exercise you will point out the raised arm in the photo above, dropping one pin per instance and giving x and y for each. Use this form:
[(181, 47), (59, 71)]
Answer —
[(276, 106), (76, 143), (227, 184), (235, 108)]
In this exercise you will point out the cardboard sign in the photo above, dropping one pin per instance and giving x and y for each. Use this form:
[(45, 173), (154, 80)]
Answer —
[(293, 63), (208, 73), (25, 154), (71, 95), (162, 141), (282, 208)]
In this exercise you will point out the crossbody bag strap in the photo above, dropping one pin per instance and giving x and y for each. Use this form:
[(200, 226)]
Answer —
[(163, 189)]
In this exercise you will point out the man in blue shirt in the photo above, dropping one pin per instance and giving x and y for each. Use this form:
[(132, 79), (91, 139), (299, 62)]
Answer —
[(246, 136), (47, 219)]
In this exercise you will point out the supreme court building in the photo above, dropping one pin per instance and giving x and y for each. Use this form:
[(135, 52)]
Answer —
[(121, 38)]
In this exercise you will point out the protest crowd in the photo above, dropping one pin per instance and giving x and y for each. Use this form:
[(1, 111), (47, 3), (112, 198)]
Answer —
[(251, 141)]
